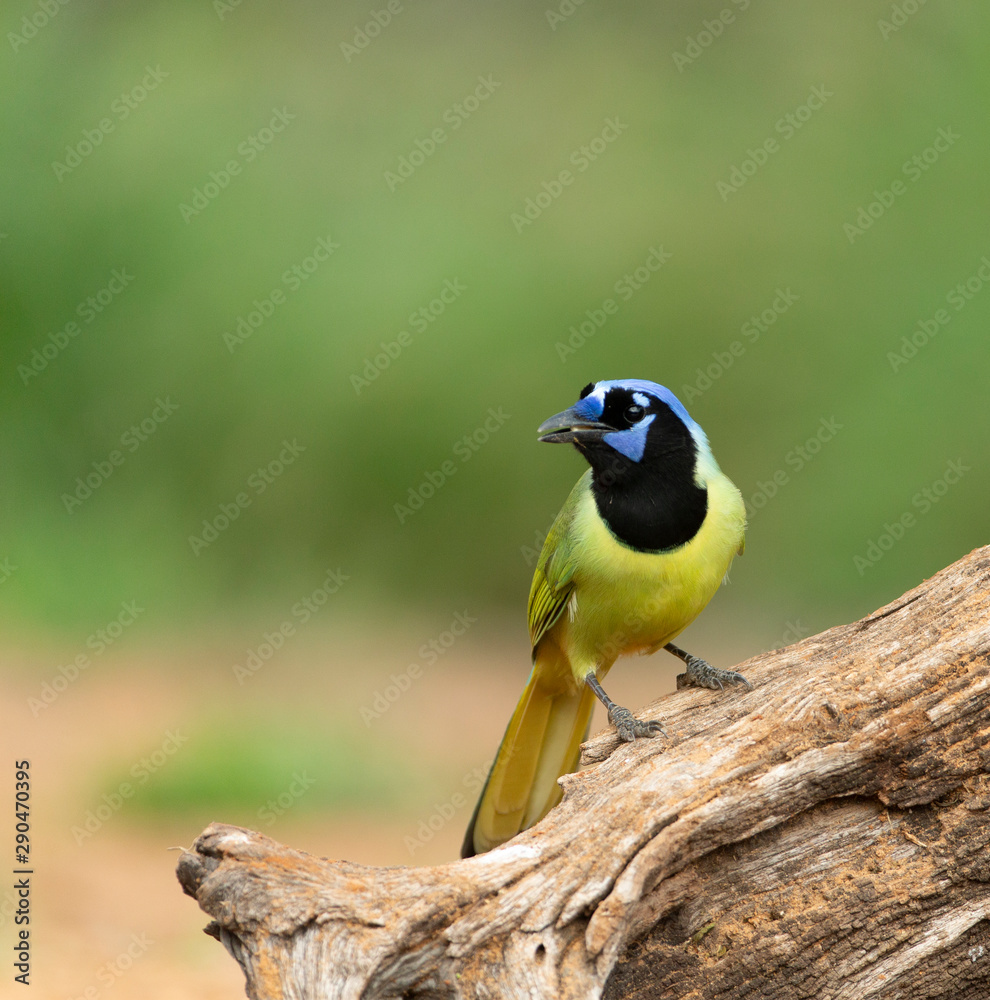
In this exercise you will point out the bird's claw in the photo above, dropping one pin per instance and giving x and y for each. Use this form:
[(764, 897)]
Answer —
[(700, 673), (630, 728)]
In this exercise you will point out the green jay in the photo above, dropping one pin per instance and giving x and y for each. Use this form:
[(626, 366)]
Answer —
[(637, 551)]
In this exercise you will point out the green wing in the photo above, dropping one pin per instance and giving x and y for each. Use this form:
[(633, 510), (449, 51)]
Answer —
[(553, 579)]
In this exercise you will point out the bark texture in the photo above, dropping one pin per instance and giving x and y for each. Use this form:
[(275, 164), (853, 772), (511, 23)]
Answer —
[(826, 835)]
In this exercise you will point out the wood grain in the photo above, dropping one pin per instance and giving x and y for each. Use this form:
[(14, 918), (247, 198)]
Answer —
[(825, 835)]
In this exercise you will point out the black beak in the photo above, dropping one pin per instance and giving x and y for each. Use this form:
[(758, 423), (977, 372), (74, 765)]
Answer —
[(569, 427)]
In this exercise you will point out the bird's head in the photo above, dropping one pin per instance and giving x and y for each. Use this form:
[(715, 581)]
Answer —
[(619, 424), (650, 462)]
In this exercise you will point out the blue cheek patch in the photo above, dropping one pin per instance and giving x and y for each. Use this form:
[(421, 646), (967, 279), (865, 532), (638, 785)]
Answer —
[(632, 442)]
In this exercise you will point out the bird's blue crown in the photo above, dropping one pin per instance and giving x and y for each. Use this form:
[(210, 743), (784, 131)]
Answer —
[(632, 441)]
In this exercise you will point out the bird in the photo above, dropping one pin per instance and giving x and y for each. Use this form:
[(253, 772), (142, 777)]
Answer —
[(639, 548)]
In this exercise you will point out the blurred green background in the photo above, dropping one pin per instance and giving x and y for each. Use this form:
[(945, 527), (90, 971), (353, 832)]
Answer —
[(821, 167), (219, 75)]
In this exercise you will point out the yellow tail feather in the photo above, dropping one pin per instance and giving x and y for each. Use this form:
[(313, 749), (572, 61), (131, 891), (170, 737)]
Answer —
[(542, 742)]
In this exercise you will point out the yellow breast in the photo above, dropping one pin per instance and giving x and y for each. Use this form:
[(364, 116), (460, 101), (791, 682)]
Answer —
[(626, 601)]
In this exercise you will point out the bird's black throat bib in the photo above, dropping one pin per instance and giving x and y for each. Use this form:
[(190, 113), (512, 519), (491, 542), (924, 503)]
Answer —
[(652, 505)]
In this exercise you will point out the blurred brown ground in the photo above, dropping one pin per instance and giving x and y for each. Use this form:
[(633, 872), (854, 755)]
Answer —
[(117, 889)]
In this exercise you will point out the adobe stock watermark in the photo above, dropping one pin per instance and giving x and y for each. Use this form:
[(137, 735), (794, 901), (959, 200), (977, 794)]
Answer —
[(87, 310), (260, 480), (712, 29), (293, 278), (108, 973), (444, 812), (463, 449), (454, 117), (624, 289), (427, 655), (899, 15), (531, 553), (130, 441), (420, 321), (275, 808), (141, 771), (787, 127), (224, 7), (120, 110), (301, 613), (564, 10), (30, 26), (794, 631), (365, 34), (754, 328), (959, 296), (248, 150), (796, 459), (581, 158), (97, 642), (914, 169), (7, 570), (923, 501)]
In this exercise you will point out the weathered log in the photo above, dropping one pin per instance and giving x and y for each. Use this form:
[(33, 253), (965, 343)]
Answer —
[(826, 835)]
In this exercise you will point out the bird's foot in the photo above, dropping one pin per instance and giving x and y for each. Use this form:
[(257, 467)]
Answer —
[(629, 727), (700, 673)]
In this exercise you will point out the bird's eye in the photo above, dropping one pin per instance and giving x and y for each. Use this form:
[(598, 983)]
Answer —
[(634, 413)]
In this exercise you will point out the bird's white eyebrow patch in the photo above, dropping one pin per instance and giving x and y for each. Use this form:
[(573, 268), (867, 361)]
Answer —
[(641, 399)]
